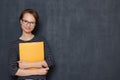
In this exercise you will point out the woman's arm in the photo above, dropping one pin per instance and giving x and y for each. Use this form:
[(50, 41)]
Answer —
[(48, 55), (24, 65), (25, 72), (13, 58)]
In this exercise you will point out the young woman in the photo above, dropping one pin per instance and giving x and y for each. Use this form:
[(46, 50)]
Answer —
[(29, 20)]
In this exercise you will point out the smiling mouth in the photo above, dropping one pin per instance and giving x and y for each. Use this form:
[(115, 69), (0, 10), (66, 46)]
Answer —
[(28, 28)]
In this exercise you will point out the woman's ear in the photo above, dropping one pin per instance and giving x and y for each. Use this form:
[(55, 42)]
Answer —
[(20, 21)]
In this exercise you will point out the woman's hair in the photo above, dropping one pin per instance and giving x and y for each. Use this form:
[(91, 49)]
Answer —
[(35, 15)]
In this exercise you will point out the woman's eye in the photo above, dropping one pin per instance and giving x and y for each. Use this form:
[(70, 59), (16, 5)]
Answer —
[(26, 21)]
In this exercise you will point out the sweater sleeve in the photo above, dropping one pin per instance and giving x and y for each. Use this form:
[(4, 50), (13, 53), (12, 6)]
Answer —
[(48, 55), (13, 58)]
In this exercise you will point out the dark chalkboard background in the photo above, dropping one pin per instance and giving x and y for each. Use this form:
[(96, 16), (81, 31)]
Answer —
[(84, 36)]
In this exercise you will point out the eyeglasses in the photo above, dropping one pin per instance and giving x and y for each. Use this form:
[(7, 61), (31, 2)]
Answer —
[(27, 22)]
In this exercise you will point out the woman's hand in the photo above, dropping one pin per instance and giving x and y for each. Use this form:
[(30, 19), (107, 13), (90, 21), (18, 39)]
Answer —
[(44, 64), (23, 64), (42, 71)]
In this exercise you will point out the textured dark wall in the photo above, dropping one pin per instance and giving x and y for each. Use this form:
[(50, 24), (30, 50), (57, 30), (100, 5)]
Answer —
[(84, 36)]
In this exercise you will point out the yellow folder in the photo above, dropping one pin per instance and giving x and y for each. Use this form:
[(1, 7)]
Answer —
[(31, 51)]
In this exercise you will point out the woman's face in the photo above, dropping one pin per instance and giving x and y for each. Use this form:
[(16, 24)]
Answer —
[(28, 23)]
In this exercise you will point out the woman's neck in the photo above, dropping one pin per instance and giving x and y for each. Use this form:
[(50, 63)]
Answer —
[(26, 36)]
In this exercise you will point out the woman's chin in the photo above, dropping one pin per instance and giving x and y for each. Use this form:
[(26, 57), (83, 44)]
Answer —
[(28, 31)]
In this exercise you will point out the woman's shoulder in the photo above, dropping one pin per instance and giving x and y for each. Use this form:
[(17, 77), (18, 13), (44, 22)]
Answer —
[(13, 43), (40, 38)]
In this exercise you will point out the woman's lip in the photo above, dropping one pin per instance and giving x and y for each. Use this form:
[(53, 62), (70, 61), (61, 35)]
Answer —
[(28, 28)]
